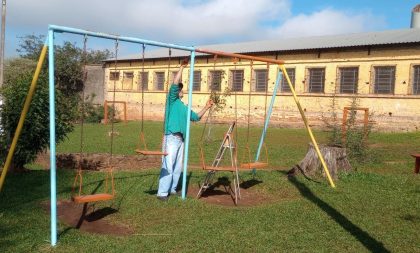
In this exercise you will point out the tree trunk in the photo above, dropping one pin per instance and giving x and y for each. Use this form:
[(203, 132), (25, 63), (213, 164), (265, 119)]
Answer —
[(335, 158)]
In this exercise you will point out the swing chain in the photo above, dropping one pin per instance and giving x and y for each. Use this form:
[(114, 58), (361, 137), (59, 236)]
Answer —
[(113, 104)]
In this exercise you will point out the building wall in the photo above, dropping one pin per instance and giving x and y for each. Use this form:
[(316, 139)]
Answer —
[(391, 112), (95, 83)]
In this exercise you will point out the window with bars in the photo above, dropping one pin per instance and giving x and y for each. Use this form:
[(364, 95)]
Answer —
[(292, 76), (261, 80), (215, 80), (416, 80), (349, 77), (237, 80), (159, 80), (114, 76), (128, 78), (384, 80), (143, 80), (197, 81), (316, 80)]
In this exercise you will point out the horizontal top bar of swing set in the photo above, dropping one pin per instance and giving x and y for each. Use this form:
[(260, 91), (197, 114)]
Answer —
[(56, 28), (239, 56)]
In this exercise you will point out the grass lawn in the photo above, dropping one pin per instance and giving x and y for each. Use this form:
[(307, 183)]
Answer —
[(376, 208)]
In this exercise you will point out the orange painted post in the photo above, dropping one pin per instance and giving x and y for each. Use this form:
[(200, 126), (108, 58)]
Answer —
[(417, 164), (365, 121), (343, 126), (125, 112), (106, 112)]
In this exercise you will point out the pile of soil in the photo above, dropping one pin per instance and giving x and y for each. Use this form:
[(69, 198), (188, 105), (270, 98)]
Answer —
[(219, 194), (99, 161), (86, 218)]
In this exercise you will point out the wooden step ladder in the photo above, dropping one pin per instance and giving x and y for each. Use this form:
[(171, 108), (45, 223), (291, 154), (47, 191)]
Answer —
[(227, 143)]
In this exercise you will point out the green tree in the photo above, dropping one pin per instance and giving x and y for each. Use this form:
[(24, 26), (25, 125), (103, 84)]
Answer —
[(35, 133), (69, 62)]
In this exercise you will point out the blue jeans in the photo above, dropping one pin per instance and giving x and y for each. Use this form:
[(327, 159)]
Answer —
[(171, 165)]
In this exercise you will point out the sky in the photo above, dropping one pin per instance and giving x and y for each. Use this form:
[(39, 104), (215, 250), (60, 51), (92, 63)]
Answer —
[(201, 22)]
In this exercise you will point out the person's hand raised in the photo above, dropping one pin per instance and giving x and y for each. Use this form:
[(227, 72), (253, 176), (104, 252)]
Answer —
[(209, 103), (184, 62)]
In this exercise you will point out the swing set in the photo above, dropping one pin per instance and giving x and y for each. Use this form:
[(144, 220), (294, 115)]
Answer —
[(109, 175), (109, 195), (257, 163)]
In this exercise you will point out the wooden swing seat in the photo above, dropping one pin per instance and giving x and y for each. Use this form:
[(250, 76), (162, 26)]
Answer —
[(255, 165), (222, 168), (150, 152), (92, 198)]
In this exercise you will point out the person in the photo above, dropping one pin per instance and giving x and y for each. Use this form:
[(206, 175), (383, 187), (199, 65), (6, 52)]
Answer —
[(175, 130)]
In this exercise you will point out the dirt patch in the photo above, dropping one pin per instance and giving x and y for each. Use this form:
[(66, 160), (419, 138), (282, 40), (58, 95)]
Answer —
[(88, 219), (99, 161), (219, 194)]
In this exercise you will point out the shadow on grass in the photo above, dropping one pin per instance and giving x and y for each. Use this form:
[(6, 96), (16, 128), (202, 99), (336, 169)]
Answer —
[(362, 236), (5, 244), (153, 191), (250, 183)]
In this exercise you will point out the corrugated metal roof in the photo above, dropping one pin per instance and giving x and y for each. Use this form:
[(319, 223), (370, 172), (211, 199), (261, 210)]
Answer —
[(389, 37)]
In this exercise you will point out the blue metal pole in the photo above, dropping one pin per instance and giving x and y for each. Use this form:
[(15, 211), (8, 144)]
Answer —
[(267, 119), (53, 183), (187, 135), (120, 38)]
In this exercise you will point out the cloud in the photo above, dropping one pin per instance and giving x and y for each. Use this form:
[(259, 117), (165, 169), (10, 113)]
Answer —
[(327, 22), (189, 22), (159, 19)]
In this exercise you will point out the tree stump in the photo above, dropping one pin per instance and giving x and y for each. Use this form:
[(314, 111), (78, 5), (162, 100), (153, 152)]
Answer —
[(335, 157)]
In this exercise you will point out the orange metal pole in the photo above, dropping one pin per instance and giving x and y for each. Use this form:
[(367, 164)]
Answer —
[(366, 123), (344, 125), (105, 112), (239, 56), (125, 112)]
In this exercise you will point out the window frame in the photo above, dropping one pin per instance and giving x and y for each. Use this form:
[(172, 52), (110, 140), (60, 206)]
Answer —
[(211, 77), (113, 77), (284, 84), (310, 79), (196, 83), (125, 73), (414, 79), (140, 80), (255, 82), (340, 79), (375, 77), (156, 80), (233, 78)]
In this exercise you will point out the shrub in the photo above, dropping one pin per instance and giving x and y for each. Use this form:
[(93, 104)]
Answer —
[(94, 113), (35, 133), (356, 135)]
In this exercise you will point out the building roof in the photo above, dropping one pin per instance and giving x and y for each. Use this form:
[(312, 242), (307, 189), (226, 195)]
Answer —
[(390, 37)]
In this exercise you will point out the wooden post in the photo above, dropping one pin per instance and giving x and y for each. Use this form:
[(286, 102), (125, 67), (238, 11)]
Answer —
[(114, 102), (417, 164), (125, 112), (345, 114), (105, 112)]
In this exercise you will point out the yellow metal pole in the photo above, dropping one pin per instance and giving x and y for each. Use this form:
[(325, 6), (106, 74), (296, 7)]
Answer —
[(308, 128), (23, 115)]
